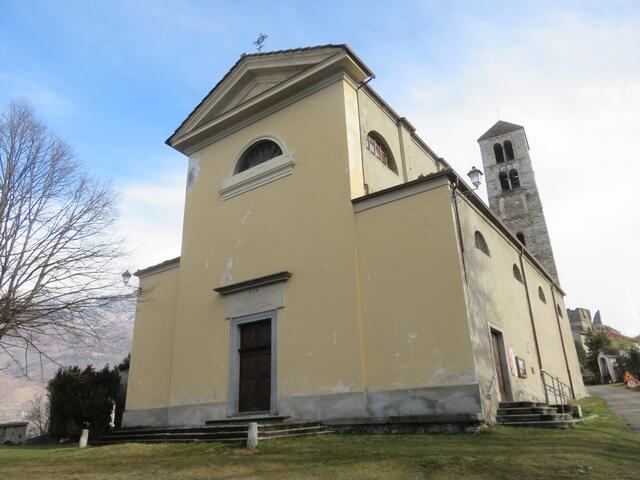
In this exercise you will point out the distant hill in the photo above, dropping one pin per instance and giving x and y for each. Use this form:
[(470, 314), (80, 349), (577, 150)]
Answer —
[(17, 387)]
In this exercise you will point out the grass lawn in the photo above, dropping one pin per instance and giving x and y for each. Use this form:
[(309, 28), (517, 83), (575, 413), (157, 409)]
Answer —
[(600, 447)]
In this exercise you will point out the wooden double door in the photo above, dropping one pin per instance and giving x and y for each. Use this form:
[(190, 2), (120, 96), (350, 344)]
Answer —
[(255, 367)]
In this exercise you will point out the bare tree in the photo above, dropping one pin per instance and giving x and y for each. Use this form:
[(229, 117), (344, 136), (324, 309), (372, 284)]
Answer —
[(37, 415), (57, 249)]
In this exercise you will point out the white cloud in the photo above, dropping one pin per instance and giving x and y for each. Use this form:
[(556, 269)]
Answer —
[(151, 211), (575, 86)]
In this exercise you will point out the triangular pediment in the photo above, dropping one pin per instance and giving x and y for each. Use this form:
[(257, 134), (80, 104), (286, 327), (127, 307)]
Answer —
[(253, 76)]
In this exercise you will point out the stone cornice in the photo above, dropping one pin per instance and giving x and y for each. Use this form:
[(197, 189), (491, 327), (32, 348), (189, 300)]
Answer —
[(253, 283)]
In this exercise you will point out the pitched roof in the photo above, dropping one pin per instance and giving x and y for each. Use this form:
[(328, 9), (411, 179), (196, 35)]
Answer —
[(244, 56), (500, 128)]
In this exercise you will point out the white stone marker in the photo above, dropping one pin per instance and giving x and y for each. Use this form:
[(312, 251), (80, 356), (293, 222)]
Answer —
[(84, 438), (252, 435)]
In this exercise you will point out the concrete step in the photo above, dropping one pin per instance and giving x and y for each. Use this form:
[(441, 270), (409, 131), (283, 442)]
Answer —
[(265, 427), (107, 441), (218, 432), (246, 419), (527, 411), (209, 429), (562, 424), (503, 419), (291, 431), (176, 436), (273, 437), (522, 404)]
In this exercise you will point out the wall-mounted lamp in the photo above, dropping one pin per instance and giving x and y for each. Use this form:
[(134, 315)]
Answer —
[(126, 276), (474, 175)]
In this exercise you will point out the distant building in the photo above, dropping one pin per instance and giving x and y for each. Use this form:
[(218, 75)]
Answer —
[(13, 433), (608, 365)]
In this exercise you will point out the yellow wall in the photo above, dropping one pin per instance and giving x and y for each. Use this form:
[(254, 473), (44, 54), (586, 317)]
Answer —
[(302, 223), (499, 301), (152, 347), (377, 300), (411, 160), (417, 333)]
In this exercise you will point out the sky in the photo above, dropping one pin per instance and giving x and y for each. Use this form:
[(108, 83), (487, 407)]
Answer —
[(115, 78)]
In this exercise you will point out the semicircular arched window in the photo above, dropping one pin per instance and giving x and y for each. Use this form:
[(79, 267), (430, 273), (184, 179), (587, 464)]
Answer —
[(508, 150), (481, 243), (498, 152), (504, 181), (378, 148), (516, 273), (259, 152), (515, 178)]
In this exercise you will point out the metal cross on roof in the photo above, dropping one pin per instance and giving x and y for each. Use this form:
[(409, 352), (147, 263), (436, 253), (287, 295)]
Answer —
[(260, 41)]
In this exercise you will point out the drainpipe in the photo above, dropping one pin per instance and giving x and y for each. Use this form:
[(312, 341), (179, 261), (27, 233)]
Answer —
[(454, 202), (564, 351), (360, 85), (533, 325)]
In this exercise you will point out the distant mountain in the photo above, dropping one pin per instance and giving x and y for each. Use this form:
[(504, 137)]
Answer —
[(18, 387)]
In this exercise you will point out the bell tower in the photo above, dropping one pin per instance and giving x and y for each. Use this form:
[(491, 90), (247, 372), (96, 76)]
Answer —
[(512, 190)]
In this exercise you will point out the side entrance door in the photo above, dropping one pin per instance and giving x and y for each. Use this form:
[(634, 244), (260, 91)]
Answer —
[(255, 367), (499, 364)]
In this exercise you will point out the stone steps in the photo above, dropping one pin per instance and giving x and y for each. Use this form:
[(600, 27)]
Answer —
[(534, 415), (527, 411), (226, 431)]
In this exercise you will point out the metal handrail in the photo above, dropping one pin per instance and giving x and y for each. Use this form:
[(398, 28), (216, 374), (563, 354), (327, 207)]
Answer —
[(560, 390)]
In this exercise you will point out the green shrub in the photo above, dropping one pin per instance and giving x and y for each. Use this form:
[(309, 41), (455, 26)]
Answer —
[(81, 399)]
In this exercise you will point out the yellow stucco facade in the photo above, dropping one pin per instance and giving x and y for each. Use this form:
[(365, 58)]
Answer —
[(362, 272)]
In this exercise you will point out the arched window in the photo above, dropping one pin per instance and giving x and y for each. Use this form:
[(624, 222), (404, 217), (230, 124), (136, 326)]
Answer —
[(559, 311), (515, 179), (481, 244), (376, 145), (541, 295), (497, 150), (516, 273), (508, 150), (259, 152), (504, 181), (520, 236)]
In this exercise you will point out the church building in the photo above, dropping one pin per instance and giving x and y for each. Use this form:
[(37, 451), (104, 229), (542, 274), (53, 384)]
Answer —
[(334, 268)]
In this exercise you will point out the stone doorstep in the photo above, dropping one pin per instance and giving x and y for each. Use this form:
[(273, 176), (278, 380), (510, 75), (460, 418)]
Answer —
[(246, 419)]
